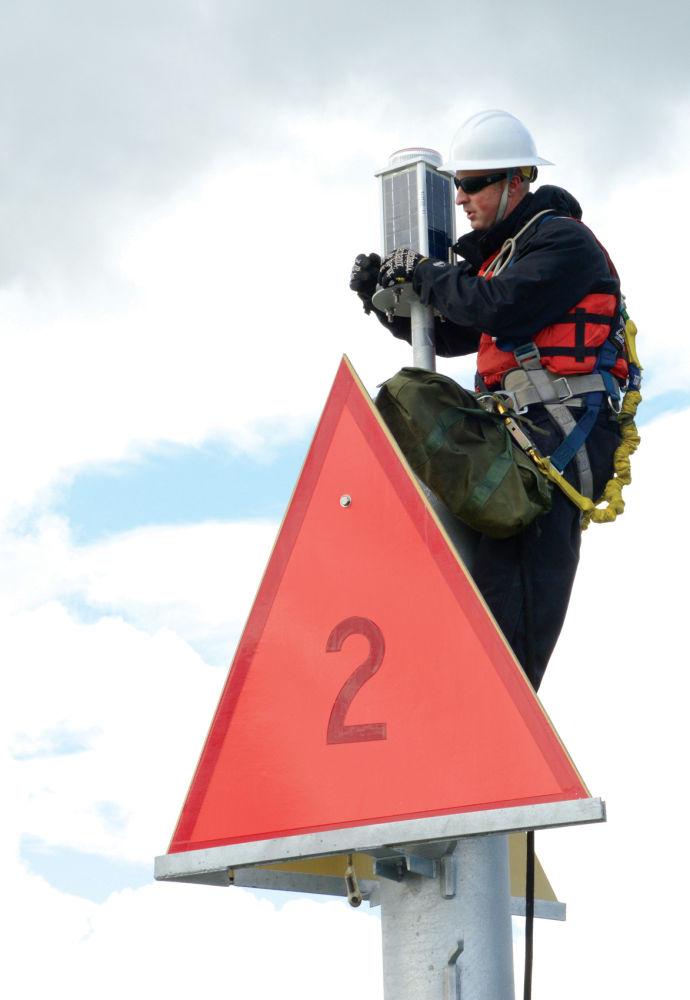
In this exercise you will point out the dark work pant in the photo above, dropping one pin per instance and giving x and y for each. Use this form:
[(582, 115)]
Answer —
[(526, 580)]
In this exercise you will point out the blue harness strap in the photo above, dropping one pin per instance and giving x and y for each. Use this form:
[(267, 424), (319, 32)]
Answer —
[(573, 442)]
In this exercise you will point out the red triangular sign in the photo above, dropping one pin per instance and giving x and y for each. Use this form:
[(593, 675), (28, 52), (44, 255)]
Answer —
[(371, 683)]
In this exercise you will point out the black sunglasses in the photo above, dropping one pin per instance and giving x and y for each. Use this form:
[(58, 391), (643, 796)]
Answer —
[(470, 185)]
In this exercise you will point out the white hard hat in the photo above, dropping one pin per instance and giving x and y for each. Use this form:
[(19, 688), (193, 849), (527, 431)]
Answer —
[(492, 140)]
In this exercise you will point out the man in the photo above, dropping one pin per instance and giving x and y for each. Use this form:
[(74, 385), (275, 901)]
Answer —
[(539, 300)]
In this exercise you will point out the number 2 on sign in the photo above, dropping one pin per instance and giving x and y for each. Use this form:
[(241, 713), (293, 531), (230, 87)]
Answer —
[(338, 732)]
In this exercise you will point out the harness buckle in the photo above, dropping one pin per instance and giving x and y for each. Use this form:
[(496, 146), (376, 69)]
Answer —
[(565, 392), (527, 355)]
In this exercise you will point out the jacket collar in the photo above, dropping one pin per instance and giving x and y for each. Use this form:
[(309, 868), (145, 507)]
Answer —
[(476, 247)]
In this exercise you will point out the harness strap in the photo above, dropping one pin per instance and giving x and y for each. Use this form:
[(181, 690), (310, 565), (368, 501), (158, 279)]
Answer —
[(573, 444), (518, 386)]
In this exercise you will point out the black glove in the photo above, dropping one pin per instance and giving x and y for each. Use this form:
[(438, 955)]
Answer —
[(363, 277), (399, 266)]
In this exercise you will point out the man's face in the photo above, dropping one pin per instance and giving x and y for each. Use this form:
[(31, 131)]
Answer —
[(480, 208)]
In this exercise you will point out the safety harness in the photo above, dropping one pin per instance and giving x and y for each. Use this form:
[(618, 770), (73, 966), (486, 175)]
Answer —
[(630, 439), (563, 395)]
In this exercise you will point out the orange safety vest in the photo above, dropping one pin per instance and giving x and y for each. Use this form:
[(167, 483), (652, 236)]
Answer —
[(568, 346)]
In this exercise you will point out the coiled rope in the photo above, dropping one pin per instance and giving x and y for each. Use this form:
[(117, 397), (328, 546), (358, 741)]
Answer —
[(622, 475)]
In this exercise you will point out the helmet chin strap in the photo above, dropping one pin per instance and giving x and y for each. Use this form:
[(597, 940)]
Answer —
[(503, 203)]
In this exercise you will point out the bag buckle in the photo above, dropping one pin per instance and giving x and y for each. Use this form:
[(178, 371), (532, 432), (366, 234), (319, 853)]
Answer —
[(510, 398), (487, 401)]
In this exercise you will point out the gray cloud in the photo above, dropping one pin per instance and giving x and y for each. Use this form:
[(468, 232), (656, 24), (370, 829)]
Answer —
[(108, 108)]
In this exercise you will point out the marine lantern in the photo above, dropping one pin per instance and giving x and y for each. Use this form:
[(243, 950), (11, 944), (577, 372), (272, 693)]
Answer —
[(418, 211)]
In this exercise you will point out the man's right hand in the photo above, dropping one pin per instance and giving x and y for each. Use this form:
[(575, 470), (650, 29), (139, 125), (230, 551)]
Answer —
[(363, 277)]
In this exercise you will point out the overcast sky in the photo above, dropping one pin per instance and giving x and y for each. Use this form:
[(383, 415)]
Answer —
[(183, 188)]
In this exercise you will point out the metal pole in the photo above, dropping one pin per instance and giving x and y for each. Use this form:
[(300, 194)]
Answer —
[(447, 931), (449, 937), (423, 339), (422, 317)]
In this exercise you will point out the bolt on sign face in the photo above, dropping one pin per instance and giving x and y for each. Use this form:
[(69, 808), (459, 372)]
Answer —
[(371, 684)]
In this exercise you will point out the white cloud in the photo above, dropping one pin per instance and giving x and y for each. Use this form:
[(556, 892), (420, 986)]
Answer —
[(144, 703), (234, 329), (196, 579), (174, 941)]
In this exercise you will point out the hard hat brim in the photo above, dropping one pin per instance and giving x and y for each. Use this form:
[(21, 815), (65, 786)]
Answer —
[(452, 166)]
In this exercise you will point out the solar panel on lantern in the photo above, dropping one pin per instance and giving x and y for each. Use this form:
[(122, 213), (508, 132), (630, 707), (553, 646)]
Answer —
[(417, 211)]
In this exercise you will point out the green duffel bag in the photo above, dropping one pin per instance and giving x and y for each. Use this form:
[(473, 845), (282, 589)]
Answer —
[(463, 452)]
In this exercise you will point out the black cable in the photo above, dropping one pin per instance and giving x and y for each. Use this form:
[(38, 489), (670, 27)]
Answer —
[(529, 915)]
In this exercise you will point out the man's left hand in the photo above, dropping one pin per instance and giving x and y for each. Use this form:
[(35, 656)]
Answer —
[(399, 266)]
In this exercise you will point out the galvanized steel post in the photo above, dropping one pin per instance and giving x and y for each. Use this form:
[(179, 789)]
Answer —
[(449, 937), (423, 338), (422, 317), (447, 932)]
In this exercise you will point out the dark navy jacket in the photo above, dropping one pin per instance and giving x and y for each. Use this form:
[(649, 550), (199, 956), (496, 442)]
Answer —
[(556, 263)]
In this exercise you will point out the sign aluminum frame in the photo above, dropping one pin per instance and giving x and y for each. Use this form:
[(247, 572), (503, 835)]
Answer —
[(212, 864)]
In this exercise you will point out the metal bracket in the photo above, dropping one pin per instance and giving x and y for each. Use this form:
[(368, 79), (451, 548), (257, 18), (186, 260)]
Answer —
[(398, 865), (392, 868), (448, 876), (354, 895)]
